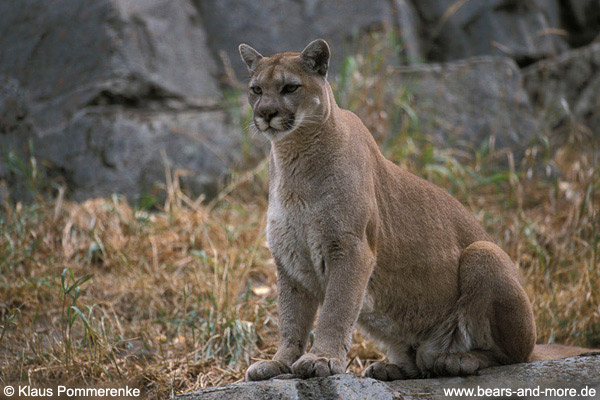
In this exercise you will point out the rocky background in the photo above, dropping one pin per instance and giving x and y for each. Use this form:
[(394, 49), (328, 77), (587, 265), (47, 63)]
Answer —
[(108, 94)]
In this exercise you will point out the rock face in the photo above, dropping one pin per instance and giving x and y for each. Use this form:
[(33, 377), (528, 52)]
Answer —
[(111, 90), (520, 30), (286, 25), (125, 151), (73, 54), (117, 89), (550, 378), (470, 102), (568, 86), (431, 30)]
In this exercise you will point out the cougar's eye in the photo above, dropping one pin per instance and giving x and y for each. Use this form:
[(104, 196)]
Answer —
[(256, 90), (289, 88)]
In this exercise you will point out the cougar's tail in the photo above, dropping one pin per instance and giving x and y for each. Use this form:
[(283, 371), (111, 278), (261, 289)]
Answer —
[(556, 351)]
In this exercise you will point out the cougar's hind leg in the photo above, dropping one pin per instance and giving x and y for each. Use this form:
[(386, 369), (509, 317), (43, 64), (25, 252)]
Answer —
[(493, 322), (486, 268)]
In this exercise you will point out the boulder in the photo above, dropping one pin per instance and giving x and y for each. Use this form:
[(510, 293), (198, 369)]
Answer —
[(114, 84), (568, 87), (467, 103), (68, 53), (433, 30), (287, 25), (522, 30), (542, 379), (104, 151)]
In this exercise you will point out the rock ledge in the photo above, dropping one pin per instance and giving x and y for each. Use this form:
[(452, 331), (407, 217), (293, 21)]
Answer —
[(581, 373)]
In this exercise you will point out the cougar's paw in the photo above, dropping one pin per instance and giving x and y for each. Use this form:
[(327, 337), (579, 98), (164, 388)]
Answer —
[(262, 370), (310, 365), (456, 364), (384, 372)]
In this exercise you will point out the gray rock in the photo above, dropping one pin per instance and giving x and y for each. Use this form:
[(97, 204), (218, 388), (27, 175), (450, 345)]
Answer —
[(121, 151), (568, 87), (579, 373), (434, 30), (109, 83), (112, 85), (69, 54), (289, 25), (466, 103), (345, 386), (519, 30)]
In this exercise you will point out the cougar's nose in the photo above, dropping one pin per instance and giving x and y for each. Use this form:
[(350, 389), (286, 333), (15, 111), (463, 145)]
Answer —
[(267, 114)]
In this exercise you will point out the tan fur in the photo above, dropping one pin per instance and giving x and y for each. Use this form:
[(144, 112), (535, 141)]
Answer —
[(373, 245)]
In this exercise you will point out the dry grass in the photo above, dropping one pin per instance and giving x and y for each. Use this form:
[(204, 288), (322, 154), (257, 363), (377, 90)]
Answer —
[(183, 297)]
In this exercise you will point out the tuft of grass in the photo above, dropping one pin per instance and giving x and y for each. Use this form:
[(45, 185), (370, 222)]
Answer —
[(184, 296)]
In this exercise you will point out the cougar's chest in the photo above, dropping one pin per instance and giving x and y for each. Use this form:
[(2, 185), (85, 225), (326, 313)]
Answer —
[(294, 240)]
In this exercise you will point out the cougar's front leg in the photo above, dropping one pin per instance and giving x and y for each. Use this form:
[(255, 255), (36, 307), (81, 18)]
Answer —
[(297, 309), (349, 263)]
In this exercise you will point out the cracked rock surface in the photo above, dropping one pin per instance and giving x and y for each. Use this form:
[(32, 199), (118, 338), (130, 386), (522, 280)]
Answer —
[(117, 90)]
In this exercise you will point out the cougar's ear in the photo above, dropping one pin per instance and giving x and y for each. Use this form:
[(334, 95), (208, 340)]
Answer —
[(317, 54), (250, 56)]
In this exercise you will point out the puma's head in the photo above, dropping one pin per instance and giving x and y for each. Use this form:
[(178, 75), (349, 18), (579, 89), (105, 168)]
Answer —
[(288, 92)]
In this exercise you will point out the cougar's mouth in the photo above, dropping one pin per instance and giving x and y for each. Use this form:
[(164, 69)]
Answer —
[(275, 126)]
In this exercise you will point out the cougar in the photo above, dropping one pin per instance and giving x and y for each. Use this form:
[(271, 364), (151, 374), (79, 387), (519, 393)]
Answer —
[(373, 245)]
